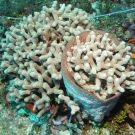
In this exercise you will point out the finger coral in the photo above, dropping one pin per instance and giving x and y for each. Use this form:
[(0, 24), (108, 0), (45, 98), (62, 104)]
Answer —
[(32, 52), (99, 60)]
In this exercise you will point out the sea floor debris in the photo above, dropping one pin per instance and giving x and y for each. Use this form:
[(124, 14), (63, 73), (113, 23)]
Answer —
[(13, 124)]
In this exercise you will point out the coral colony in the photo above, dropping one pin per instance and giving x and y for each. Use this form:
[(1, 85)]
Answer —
[(32, 55), (99, 56)]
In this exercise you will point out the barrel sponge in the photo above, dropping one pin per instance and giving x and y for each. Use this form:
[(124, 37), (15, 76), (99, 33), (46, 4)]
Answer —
[(32, 52)]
